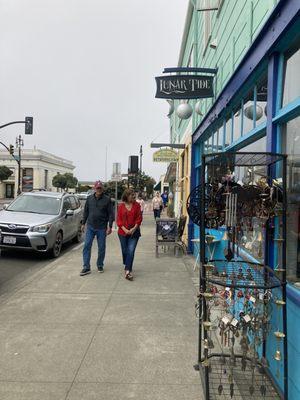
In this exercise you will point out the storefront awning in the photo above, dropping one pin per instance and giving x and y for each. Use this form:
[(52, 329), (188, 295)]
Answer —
[(157, 187)]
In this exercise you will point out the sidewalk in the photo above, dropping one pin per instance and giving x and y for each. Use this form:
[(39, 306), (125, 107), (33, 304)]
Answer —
[(66, 337)]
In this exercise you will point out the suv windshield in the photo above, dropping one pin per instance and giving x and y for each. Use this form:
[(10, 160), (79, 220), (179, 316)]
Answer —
[(36, 204)]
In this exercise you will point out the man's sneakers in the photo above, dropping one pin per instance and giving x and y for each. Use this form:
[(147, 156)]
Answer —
[(85, 271)]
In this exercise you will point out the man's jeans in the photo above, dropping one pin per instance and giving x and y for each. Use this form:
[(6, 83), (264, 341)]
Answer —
[(128, 245), (89, 238)]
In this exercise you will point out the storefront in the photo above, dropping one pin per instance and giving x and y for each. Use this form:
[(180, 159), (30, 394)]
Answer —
[(259, 111)]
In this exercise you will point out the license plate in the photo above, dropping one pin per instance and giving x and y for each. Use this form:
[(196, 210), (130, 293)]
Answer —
[(9, 240)]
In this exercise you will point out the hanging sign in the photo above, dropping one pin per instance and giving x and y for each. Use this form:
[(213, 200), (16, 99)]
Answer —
[(165, 155), (184, 87)]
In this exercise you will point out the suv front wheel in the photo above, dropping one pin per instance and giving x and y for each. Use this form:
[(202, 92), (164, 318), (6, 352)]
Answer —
[(55, 251)]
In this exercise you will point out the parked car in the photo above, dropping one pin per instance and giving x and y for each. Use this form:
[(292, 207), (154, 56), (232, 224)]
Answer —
[(41, 221), (82, 195)]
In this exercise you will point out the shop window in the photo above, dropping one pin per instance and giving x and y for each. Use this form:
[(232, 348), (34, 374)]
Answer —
[(228, 129), (27, 179), (291, 89), (237, 115), (46, 179), (250, 112), (215, 142), (291, 146), (252, 242), (261, 102), (210, 145)]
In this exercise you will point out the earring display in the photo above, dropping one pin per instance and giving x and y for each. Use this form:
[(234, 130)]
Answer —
[(242, 349)]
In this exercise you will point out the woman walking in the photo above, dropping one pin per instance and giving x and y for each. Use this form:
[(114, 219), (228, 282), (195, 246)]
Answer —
[(157, 205), (129, 219), (141, 202)]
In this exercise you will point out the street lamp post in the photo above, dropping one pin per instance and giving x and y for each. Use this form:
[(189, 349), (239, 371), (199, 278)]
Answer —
[(19, 145), (28, 125)]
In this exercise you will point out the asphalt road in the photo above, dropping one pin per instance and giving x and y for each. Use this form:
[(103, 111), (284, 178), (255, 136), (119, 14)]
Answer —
[(15, 267)]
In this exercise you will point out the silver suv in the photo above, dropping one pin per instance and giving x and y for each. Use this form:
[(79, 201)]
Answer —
[(41, 221)]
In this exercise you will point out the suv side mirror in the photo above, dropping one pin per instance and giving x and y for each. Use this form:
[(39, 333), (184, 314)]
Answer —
[(69, 213), (5, 206)]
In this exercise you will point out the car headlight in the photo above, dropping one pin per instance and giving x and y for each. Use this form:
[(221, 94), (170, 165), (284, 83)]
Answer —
[(41, 228)]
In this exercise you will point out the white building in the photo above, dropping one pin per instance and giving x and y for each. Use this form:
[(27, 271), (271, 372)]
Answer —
[(38, 170)]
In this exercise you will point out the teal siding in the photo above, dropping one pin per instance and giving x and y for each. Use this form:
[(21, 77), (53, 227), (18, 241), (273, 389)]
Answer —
[(234, 28)]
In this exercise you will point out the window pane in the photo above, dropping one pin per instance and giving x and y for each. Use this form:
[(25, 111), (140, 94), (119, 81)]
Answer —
[(291, 88), (251, 243), (228, 132), (261, 102), (237, 123), (209, 150), (292, 148), (249, 113), (215, 142)]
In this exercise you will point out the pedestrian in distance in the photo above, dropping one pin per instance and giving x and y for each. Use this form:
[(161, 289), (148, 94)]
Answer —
[(129, 219), (141, 202), (157, 205), (165, 198), (98, 218)]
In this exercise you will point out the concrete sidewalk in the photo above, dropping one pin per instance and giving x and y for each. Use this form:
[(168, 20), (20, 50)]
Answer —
[(66, 337)]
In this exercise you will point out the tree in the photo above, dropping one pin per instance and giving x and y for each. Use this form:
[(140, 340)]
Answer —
[(83, 188), (64, 181), (71, 181), (5, 173), (59, 181), (141, 181)]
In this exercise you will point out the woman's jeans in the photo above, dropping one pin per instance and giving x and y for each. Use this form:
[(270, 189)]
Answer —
[(89, 238), (128, 246), (156, 213)]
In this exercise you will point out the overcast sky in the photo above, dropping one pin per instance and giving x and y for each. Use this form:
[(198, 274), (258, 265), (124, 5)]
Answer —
[(84, 69)]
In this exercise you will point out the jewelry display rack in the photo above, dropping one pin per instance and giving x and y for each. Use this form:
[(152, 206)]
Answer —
[(242, 349)]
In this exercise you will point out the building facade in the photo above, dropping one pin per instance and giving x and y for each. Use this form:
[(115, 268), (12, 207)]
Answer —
[(38, 169), (255, 45)]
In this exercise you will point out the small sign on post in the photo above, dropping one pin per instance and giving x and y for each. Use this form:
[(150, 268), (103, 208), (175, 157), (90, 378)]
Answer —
[(165, 155)]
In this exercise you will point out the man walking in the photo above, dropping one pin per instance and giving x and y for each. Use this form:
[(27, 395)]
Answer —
[(98, 219)]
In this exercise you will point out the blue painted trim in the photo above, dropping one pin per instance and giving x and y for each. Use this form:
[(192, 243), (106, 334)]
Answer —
[(250, 137), (271, 102), (254, 105), (293, 294), (266, 39), (242, 117), (288, 112), (280, 82), (192, 185)]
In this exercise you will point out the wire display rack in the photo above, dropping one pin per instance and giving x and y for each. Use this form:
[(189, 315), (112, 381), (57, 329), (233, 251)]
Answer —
[(242, 300)]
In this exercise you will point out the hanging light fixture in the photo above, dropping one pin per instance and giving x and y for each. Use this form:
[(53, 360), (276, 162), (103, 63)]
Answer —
[(184, 110), (249, 112)]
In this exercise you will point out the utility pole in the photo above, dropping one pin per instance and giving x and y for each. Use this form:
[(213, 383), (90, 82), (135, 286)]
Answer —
[(19, 144)]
